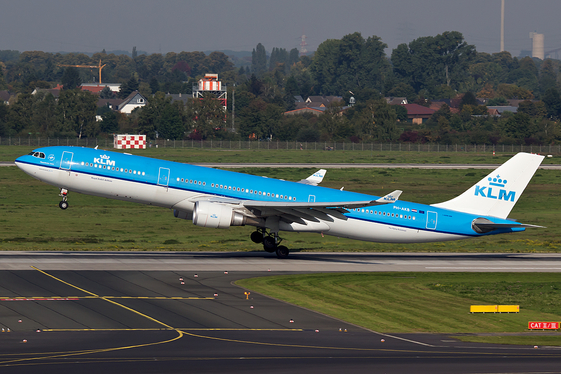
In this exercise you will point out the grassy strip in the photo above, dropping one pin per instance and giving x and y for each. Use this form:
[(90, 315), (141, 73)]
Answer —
[(31, 220), (513, 340), (418, 302), (196, 155)]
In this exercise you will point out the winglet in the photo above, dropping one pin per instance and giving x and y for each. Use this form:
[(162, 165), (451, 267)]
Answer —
[(315, 178), (390, 198)]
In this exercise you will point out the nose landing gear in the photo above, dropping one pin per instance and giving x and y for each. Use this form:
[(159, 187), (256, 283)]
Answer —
[(270, 242), (64, 203)]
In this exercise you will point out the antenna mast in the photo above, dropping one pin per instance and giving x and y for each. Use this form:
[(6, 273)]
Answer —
[(502, 25)]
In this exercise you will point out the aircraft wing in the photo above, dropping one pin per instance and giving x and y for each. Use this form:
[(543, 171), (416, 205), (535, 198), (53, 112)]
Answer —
[(387, 199), (299, 211)]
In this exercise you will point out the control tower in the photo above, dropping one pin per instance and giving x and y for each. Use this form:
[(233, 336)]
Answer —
[(210, 84)]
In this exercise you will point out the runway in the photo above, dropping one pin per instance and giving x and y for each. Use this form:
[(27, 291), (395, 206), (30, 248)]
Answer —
[(261, 261), (148, 322), (116, 312)]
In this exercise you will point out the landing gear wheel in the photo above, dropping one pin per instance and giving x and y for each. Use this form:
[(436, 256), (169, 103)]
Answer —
[(63, 205), (269, 244), (282, 251), (257, 237)]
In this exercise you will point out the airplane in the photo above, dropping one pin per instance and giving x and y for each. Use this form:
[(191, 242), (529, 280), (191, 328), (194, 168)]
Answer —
[(220, 199)]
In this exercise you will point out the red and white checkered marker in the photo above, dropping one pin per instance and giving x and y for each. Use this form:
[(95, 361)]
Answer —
[(24, 340), (129, 141), (317, 330), (383, 340), (20, 321), (251, 307), (291, 321), (182, 282), (181, 279), (196, 275), (215, 295), (225, 272), (38, 331)]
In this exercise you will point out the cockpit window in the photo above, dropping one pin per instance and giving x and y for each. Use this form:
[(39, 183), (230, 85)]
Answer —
[(37, 154)]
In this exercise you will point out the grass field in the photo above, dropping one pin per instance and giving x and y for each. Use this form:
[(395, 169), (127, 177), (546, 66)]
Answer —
[(195, 155), (425, 302)]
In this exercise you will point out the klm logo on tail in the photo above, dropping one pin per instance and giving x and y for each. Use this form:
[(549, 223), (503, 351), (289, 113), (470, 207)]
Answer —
[(499, 185)]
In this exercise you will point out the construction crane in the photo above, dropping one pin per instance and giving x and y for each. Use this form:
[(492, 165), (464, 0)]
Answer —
[(89, 66)]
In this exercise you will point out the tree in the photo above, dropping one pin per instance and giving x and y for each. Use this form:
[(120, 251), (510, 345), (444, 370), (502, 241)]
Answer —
[(71, 78), (552, 101), (109, 122), (4, 129), (207, 116), (350, 64), (468, 99), (402, 90), (154, 85), (293, 57), (376, 121), (519, 126), (431, 61), (106, 93), (76, 112), (259, 60), (130, 86), (548, 75), (162, 117)]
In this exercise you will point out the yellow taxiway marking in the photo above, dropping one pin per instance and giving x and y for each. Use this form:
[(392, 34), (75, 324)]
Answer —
[(105, 298), (71, 298), (84, 352), (177, 328)]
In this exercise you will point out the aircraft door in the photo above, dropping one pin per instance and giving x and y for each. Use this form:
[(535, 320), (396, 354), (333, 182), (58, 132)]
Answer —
[(311, 198), (66, 161), (432, 218), (163, 177)]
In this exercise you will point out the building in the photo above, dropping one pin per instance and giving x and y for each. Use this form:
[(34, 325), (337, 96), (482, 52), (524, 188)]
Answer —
[(417, 113), (210, 84), (97, 88), (133, 101)]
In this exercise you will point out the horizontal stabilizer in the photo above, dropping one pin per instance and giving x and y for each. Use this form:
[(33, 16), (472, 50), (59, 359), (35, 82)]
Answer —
[(390, 198), (483, 225), (315, 178)]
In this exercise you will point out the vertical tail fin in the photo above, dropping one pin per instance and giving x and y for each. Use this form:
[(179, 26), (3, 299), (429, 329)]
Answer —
[(497, 193)]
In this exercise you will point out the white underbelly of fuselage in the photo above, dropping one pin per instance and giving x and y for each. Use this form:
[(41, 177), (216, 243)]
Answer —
[(386, 233), (113, 188)]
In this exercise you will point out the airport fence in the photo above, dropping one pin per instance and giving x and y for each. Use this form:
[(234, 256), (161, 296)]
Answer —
[(288, 145)]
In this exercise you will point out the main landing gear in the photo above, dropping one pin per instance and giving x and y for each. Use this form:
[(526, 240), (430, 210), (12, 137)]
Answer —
[(64, 203), (270, 242)]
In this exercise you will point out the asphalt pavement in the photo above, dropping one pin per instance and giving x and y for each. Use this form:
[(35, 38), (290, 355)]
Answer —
[(149, 322)]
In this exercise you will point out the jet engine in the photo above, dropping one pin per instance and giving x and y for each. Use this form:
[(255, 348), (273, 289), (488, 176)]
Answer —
[(216, 215)]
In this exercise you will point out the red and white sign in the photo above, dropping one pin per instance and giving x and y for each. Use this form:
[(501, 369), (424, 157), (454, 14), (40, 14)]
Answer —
[(129, 142), (543, 325)]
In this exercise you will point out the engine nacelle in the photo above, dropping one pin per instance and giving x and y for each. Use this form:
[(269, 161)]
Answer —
[(182, 214), (216, 215)]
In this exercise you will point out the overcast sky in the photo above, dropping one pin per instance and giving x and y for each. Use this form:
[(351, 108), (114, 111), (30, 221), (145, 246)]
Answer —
[(181, 25)]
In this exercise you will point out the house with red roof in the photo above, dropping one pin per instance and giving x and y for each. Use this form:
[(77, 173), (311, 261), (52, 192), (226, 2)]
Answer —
[(417, 113)]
